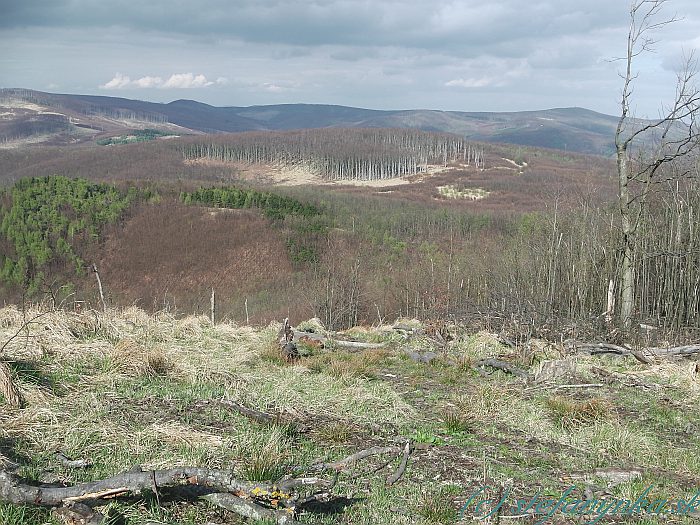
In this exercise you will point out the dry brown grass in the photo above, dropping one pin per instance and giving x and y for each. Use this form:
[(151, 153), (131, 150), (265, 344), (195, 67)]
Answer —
[(335, 432), (272, 353), (8, 389), (571, 414), (343, 365)]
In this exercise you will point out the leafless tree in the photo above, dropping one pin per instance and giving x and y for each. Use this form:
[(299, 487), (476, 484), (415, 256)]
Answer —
[(646, 149)]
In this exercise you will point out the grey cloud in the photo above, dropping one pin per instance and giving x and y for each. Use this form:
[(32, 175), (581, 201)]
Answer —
[(411, 53)]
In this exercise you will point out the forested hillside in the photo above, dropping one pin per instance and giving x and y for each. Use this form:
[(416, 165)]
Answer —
[(46, 222), (537, 244)]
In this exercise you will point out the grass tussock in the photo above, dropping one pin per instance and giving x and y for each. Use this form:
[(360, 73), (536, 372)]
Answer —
[(272, 353), (336, 432), (570, 414), (437, 508), (456, 422), (265, 458), (344, 365)]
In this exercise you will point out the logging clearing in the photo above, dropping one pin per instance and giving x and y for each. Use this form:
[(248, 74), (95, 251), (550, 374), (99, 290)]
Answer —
[(342, 154)]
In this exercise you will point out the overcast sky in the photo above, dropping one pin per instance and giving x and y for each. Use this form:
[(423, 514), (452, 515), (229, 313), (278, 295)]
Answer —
[(467, 55)]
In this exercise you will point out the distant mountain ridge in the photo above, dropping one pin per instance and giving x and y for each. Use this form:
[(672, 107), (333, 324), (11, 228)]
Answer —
[(25, 113)]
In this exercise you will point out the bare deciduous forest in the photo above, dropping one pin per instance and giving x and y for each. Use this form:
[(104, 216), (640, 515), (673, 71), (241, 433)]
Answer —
[(541, 249)]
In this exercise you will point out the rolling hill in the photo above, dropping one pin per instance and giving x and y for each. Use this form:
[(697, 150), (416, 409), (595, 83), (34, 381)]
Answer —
[(28, 116)]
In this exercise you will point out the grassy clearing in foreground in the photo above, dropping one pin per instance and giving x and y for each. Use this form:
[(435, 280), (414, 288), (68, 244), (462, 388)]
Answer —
[(125, 388)]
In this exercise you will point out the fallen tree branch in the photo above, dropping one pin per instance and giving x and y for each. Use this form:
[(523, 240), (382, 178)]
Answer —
[(502, 365), (625, 379), (251, 413), (564, 387), (341, 464), (221, 488), (264, 418), (311, 336), (600, 348), (674, 350), (642, 354), (251, 510), (402, 466), (13, 490), (72, 463)]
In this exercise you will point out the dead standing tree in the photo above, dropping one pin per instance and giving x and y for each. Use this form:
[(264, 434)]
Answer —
[(674, 136)]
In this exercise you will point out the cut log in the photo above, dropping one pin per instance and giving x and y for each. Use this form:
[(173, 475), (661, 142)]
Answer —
[(300, 336), (356, 344)]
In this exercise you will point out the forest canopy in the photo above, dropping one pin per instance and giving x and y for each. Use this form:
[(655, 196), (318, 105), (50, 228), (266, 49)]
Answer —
[(44, 221)]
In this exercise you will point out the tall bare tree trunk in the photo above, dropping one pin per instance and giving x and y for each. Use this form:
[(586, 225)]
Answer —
[(627, 273)]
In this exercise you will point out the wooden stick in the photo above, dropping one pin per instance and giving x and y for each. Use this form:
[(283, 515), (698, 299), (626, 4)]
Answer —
[(402, 466), (102, 494), (212, 307), (72, 463), (249, 509), (99, 287), (342, 463)]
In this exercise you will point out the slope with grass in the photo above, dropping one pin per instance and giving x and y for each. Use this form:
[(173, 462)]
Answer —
[(125, 388)]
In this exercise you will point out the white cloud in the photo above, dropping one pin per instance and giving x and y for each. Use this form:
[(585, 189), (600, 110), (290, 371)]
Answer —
[(148, 82), (472, 83), (118, 82), (175, 81), (186, 80), (273, 88)]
